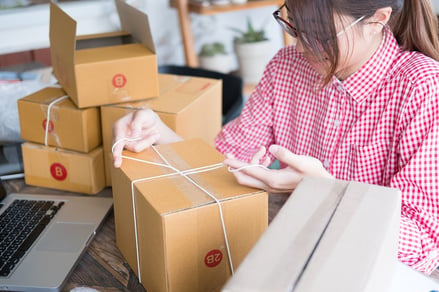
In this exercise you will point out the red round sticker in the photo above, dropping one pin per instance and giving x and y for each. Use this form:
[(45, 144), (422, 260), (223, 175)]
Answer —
[(213, 258), (119, 80), (58, 171), (51, 126)]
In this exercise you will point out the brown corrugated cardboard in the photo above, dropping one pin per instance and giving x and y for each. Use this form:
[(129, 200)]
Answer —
[(191, 106), (173, 237), (68, 126), (330, 235), (110, 68), (61, 169)]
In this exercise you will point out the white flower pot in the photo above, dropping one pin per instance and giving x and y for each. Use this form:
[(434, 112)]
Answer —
[(219, 63), (252, 59)]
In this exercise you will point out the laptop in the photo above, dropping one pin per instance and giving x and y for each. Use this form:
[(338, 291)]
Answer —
[(62, 236)]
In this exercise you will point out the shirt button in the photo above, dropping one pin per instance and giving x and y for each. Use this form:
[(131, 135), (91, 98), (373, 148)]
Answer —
[(337, 123), (326, 163)]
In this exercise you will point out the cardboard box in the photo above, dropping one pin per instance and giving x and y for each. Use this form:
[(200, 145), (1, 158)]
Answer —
[(61, 169), (110, 68), (330, 235), (170, 231), (68, 127), (191, 106)]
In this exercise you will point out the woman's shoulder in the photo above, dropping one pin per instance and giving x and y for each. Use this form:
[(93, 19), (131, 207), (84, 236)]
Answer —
[(418, 71), (289, 61), (415, 66), (287, 54), (290, 49)]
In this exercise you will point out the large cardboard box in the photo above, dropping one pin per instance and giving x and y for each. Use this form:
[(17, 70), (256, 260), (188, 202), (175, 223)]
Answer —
[(167, 226), (65, 125), (191, 106), (104, 68), (330, 235), (61, 169)]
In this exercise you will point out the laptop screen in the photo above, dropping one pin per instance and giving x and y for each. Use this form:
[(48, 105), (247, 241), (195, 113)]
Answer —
[(2, 192), (11, 160)]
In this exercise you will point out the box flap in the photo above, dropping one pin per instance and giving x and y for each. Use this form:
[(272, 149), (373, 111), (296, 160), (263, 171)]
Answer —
[(62, 37), (136, 23), (107, 39), (330, 235), (169, 191), (360, 243), (179, 97), (174, 96), (48, 95)]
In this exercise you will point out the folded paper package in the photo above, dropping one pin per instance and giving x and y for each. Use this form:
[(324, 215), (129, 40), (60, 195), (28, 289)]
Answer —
[(330, 235), (182, 221)]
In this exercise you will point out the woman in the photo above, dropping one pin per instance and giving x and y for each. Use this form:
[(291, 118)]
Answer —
[(356, 98)]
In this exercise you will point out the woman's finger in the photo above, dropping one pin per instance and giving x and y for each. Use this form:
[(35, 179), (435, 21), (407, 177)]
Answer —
[(258, 155)]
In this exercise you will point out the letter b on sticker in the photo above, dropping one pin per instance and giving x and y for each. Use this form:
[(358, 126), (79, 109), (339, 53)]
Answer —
[(58, 171)]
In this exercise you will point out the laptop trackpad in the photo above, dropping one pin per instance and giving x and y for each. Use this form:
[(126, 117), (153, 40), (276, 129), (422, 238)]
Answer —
[(66, 237)]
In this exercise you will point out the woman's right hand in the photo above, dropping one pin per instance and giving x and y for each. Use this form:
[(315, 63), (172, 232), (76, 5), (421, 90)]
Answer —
[(137, 131)]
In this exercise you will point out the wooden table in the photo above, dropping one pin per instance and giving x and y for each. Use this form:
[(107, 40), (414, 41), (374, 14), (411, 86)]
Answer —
[(102, 267)]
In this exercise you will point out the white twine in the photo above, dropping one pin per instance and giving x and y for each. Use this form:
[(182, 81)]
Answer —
[(48, 116), (245, 167)]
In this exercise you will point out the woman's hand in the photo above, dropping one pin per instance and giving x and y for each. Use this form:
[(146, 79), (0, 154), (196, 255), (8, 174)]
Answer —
[(137, 131), (282, 180)]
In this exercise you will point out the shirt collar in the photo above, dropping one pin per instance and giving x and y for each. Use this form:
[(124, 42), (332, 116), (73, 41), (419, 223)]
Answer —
[(360, 85)]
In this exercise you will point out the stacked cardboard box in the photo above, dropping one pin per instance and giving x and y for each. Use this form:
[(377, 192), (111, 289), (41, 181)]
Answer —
[(114, 73), (191, 106), (64, 144), (104, 68), (330, 235), (168, 225), (62, 126)]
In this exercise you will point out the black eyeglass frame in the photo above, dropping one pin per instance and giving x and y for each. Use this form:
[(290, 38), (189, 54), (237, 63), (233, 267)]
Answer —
[(286, 26)]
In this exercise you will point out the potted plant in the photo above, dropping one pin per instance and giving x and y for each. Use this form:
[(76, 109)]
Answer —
[(213, 56), (253, 51)]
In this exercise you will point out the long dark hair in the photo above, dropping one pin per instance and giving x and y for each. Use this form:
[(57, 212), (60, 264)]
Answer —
[(413, 23)]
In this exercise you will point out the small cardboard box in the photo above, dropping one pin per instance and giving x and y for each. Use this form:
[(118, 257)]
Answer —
[(330, 235), (111, 67), (170, 230), (67, 126), (61, 169), (191, 106)]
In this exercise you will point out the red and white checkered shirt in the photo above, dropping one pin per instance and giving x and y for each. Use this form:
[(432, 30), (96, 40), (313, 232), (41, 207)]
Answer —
[(379, 126)]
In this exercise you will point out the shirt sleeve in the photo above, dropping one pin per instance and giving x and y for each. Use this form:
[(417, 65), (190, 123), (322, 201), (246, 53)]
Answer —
[(417, 178), (243, 136)]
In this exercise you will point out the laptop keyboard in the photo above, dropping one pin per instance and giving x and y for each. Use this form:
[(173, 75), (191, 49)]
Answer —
[(20, 224)]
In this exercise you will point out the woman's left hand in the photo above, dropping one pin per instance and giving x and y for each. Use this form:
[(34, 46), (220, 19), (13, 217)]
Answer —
[(282, 180)]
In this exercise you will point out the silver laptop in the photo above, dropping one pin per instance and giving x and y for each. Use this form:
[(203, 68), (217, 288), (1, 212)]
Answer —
[(46, 263)]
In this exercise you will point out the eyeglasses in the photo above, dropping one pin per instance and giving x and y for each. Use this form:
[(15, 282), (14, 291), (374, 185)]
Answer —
[(292, 31)]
